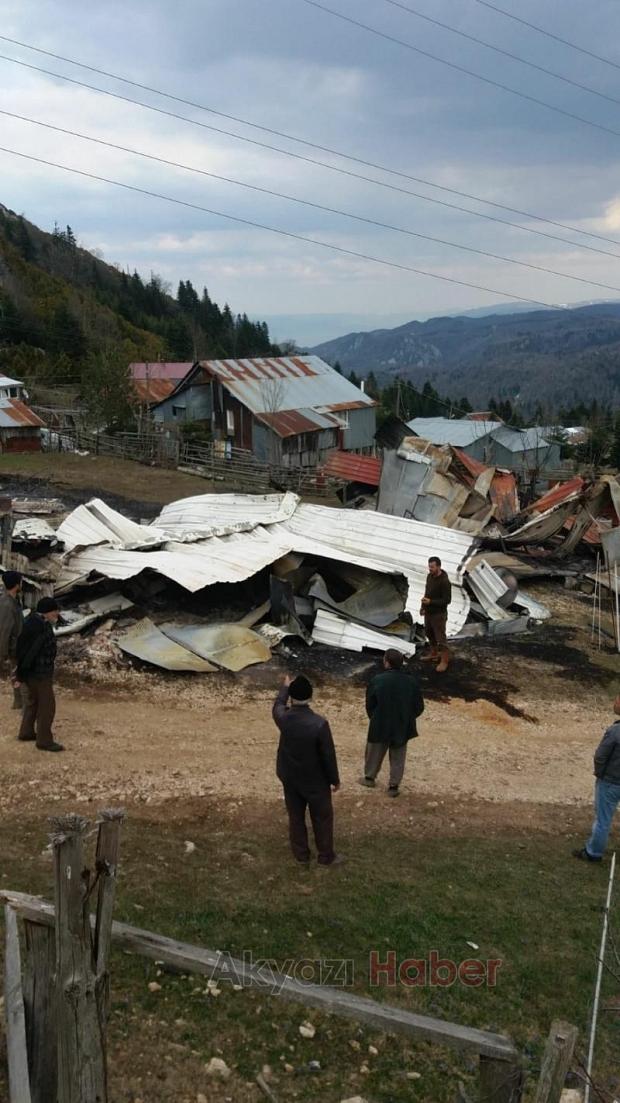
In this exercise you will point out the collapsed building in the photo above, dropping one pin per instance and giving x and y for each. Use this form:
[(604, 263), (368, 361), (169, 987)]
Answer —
[(219, 580)]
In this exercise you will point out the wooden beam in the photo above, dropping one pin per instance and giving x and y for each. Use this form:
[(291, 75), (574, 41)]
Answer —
[(556, 1062), (108, 849), (40, 1005), (17, 1053), (331, 1001)]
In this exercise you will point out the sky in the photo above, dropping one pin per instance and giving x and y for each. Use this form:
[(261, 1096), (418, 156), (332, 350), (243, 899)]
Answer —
[(288, 66)]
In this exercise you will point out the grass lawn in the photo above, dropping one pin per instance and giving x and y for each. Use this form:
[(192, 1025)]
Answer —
[(522, 900)]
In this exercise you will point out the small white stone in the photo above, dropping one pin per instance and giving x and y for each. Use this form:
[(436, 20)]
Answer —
[(154, 986), (217, 1067), (307, 1030), (373, 1051), (414, 1076)]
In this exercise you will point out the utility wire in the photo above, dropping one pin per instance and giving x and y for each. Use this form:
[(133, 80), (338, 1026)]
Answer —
[(505, 53), (548, 34), (462, 69), (305, 142), (309, 203), (284, 233)]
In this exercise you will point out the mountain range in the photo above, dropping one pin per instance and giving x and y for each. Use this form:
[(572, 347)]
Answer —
[(551, 358)]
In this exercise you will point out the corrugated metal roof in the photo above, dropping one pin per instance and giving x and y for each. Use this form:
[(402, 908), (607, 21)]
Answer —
[(16, 415), (520, 440), (444, 430), (153, 390), (290, 423), (6, 382), (353, 468), (287, 383), (205, 515), (174, 370)]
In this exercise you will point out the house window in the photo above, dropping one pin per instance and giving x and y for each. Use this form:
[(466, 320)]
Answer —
[(178, 411), (230, 423)]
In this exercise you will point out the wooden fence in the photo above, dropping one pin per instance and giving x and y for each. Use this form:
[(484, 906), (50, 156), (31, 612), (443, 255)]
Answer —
[(218, 462), (57, 1007)]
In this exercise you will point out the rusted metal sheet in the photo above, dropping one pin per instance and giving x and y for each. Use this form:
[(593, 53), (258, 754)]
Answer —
[(176, 370), (560, 493), (353, 468), (284, 383), (153, 390), (15, 414), (292, 423)]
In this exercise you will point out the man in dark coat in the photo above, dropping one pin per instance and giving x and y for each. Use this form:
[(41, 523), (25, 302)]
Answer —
[(11, 624), (308, 770), (606, 791), (437, 597), (36, 658), (393, 703)]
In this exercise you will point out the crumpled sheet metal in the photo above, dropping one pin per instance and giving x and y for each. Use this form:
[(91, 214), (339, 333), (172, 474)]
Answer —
[(231, 646), (35, 530), (208, 515), (376, 602), (97, 523), (147, 642), (337, 631)]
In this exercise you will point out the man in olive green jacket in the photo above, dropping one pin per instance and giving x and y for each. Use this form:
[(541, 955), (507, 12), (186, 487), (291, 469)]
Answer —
[(393, 703)]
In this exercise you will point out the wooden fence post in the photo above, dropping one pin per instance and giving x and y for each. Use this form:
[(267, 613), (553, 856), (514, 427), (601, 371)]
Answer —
[(556, 1062), (17, 1054), (108, 849), (39, 1002), (81, 1052), (500, 1081)]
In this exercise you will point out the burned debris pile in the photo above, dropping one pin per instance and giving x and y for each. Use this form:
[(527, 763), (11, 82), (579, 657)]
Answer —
[(218, 581)]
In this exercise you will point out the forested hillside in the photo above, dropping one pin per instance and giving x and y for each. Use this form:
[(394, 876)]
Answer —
[(68, 317), (548, 358)]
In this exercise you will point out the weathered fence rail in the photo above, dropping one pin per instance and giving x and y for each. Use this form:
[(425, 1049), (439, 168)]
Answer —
[(217, 462)]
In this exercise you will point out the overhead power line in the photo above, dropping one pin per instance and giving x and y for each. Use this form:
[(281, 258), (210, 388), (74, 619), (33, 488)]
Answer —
[(307, 202), (462, 69), (312, 145), (500, 50), (548, 34), (283, 233)]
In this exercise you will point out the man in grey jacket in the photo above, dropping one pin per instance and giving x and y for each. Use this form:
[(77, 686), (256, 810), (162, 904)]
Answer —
[(607, 791), (11, 624)]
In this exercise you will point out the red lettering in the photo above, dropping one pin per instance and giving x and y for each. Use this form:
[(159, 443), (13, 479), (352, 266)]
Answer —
[(493, 964), (385, 969), (472, 973), (412, 972), (437, 964)]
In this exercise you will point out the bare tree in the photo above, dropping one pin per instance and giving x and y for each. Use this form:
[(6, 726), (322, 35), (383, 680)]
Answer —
[(272, 393)]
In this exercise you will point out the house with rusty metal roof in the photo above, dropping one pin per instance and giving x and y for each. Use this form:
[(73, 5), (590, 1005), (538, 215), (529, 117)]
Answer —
[(291, 410), (20, 428)]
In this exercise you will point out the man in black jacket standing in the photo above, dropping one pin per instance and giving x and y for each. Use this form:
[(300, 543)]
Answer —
[(606, 792), (393, 703), (36, 658), (308, 770)]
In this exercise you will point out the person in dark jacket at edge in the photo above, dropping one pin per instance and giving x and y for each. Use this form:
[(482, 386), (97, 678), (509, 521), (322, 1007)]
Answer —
[(393, 703), (34, 673), (11, 624), (437, 597), (606, 791), (308, 770)]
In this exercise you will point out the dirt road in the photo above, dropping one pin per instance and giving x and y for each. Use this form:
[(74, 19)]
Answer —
[(196, 738)]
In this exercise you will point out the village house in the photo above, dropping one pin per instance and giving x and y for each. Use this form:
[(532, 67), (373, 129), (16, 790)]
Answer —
[(20, 428), (287, 410), (522, 451)]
